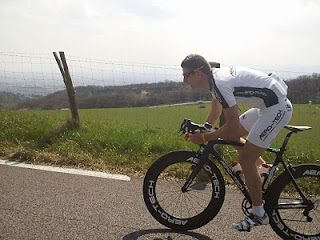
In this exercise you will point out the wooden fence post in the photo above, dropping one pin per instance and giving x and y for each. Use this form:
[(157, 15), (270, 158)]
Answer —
[(69, 86)]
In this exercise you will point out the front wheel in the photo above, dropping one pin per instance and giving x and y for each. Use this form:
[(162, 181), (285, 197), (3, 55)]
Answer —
[(177, 209), (291, 217)]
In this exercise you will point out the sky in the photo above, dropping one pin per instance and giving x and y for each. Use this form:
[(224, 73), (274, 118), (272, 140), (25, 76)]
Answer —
[(283, 34)]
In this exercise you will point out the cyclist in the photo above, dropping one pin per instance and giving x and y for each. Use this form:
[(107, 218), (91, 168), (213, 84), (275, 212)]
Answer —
[(270, 111)]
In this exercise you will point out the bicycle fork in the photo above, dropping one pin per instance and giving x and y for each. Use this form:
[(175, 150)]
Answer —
[(199, 163)]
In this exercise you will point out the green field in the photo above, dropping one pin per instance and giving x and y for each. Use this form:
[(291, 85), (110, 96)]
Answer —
[(127, 140)]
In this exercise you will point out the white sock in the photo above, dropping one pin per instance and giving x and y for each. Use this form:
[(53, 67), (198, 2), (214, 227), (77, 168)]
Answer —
[(258, 210)]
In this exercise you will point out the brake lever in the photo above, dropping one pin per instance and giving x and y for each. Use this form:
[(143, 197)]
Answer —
[(183, 127), (182, 132), (190, 127)]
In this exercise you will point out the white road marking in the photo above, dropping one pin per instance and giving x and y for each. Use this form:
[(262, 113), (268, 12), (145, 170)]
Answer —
[(66, 170)]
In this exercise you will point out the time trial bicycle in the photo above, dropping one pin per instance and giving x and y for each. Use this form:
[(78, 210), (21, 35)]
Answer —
[(184, 190)]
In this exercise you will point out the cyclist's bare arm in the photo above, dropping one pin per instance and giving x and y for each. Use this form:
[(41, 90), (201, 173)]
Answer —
[(215, 112), (232, 120), (232, 129)]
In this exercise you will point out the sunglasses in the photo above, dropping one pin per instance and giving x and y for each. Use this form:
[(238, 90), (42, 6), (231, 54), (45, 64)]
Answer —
[(186, 75)]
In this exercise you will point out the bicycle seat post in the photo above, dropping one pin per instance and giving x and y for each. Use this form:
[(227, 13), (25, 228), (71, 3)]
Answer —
[(285, 142)]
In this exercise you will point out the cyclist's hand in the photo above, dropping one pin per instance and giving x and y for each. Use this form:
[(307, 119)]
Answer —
[(196, 138), (187, 136)]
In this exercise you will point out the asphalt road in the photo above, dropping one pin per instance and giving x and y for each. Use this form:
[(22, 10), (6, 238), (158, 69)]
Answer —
[(38, 204)]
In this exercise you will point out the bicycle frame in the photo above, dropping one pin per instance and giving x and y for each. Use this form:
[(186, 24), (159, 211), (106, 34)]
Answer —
[(209, 149)]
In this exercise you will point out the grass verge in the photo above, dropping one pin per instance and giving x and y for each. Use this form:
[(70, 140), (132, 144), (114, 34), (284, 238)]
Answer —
[(125, 140)]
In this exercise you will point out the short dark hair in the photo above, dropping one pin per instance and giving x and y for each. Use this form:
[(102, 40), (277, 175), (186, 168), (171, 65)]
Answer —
[(194, 61)]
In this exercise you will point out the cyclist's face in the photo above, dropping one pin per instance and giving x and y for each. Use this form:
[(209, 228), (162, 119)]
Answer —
[(191, 78)]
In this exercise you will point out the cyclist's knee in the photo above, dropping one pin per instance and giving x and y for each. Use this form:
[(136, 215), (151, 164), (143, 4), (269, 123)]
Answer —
[(250, 153)]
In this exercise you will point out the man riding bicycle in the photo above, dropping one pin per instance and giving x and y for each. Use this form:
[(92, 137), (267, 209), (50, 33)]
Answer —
[(270, 111)]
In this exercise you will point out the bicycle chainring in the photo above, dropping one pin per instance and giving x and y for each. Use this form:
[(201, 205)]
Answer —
[(246, 206)]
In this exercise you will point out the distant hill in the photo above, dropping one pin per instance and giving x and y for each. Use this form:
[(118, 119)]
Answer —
[(10, 100), (301, 90), (136, 95)]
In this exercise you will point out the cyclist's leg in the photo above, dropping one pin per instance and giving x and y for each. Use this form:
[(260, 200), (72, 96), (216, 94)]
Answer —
[(247, 159), (247, 120), (269, 123), (271, 120)]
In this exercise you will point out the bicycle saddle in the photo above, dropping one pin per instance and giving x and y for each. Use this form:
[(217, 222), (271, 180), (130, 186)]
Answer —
[(296, 129)]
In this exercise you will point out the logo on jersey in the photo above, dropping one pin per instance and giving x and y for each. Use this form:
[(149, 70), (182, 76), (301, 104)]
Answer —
[(252, 93), (273, 124), (217, 95), (289, 109), (233, 71)]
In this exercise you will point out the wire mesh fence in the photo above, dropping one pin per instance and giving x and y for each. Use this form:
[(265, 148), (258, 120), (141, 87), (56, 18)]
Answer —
[(32, 75)]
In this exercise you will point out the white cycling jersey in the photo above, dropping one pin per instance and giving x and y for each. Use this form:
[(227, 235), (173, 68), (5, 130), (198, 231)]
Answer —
[(240, 85)]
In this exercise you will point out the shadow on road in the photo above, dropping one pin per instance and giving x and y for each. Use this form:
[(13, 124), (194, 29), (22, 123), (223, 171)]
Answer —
[(164, 234)]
